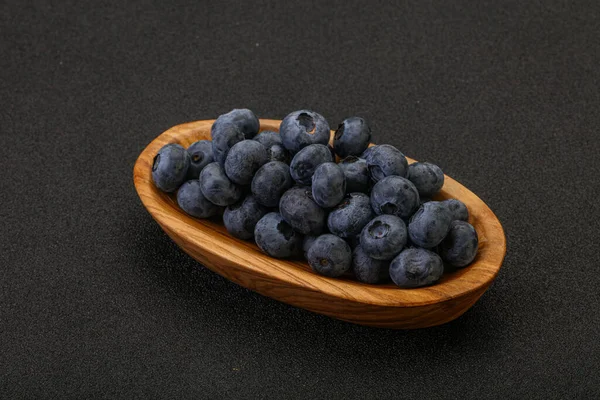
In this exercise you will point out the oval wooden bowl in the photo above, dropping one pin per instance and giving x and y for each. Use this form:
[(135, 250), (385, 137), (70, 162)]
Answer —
[(293, 282)]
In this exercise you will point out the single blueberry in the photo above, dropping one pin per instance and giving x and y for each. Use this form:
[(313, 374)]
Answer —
[(352, 137), (386, 160), (276, 237), (217, 187), (415, 268), (278, 153), (299, 209), (396, 196), (383, 237), (357, 174), (330, 256), (224, 134), (268, 138), (302, 128), (243, 160), (367, 269), (429, 225), (169, 167), (427, 178), (192, 201), (350, 216), (459, 247), (244, 119), (305, 162), (201, 154), (240, 218), (270, 182), (458, 209), (328, 185)]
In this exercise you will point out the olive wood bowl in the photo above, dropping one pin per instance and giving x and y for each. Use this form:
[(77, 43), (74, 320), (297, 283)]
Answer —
[(293, 282)]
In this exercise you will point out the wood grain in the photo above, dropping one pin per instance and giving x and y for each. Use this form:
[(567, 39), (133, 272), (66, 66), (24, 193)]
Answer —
[(293, 282)]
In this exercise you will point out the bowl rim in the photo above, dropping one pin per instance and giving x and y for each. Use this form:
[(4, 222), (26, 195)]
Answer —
[(461, 283)]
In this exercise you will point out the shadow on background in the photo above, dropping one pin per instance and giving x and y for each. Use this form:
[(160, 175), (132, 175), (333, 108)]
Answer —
[(213, 300)]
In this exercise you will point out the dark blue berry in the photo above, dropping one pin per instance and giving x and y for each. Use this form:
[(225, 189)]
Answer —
[(383, 237), (459, 247), (367, 269), (217, 187), (170, 167), (352, 137), (192, 201), (328, 185), (270, 182), (386, 160), (415, 268), (276, 237), (299, 209), (240, 218), (396, 196), (302, 128), (350, 216), (305, 162), (201, 154), (330, 256), (429, 225), (427, 178), (243, 160)]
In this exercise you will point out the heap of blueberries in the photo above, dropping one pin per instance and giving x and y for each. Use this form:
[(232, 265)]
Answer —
[(370, 212)]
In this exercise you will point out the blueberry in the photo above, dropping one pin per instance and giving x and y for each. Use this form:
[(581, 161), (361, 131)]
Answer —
[(201, 154), (270, 182), (328, 185), (170, 166), (357, 174), (299, 209), (350, 216), (243, 160), (383, 237), (386, 160), (305, 162), (217, 187), (429, 225), (268, 138), (458, 209), (368, 151), (427, 178), (192, 201), (302, 128), (276, 237), (459, 247), (278, 153), (352, 137), (396, 196), (415, 268), (306, 243), (245, 120), (367, 269), (241, 218), (330, 255), (224, 134)]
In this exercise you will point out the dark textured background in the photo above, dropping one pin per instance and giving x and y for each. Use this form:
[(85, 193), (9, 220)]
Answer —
[(96, 301)]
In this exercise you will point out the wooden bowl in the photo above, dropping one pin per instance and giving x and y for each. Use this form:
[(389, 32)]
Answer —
[(293, 282)]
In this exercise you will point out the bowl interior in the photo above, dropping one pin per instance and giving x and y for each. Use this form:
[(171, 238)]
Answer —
[(213, 237)]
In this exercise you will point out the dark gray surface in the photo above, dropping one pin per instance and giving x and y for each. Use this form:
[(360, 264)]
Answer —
[(96, 301)]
